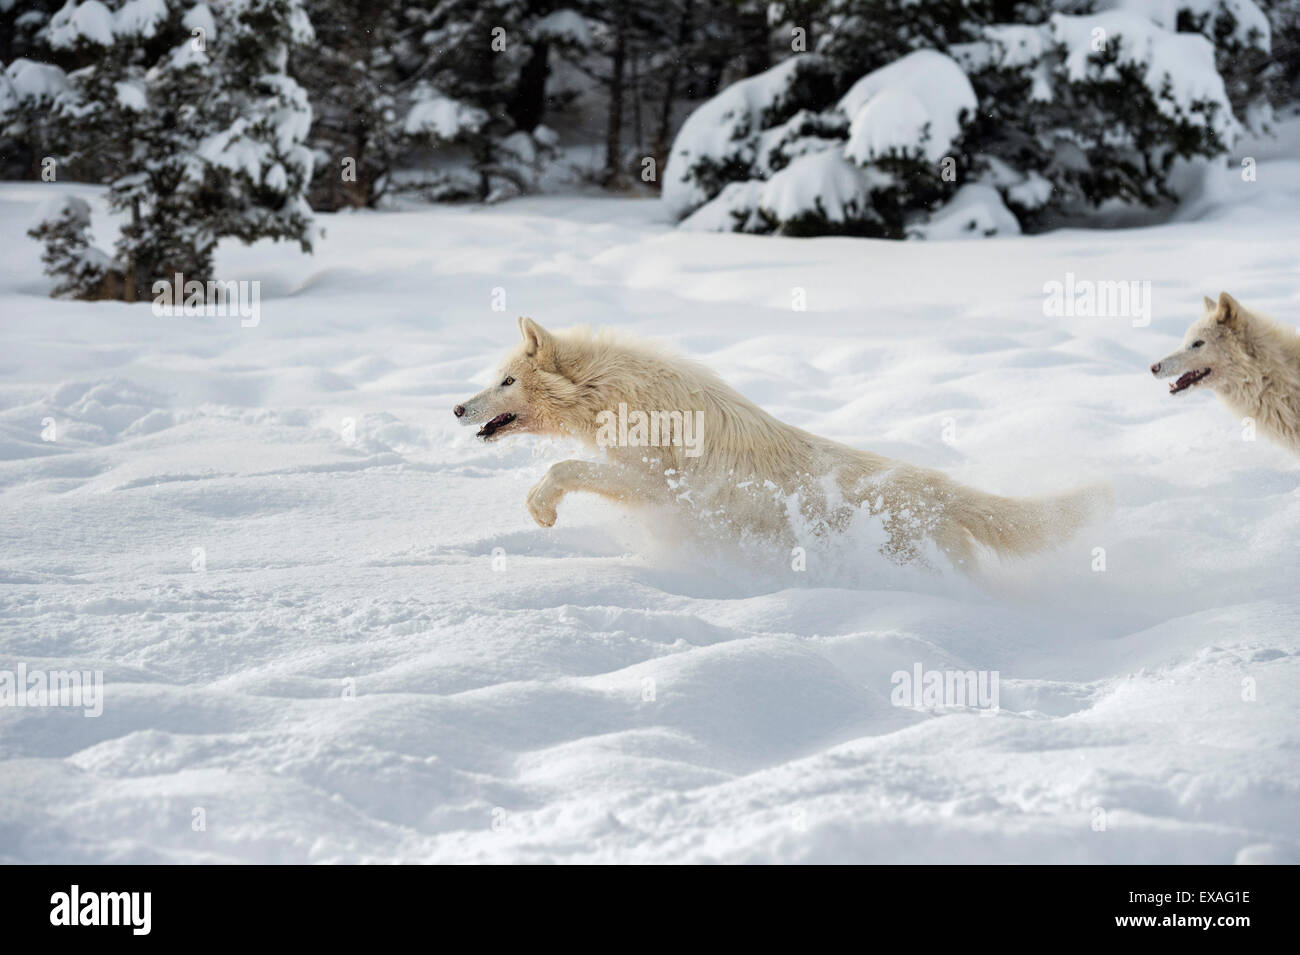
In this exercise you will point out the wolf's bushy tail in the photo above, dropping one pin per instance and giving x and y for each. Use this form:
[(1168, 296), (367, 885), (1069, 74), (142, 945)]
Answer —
[(1017, 526)]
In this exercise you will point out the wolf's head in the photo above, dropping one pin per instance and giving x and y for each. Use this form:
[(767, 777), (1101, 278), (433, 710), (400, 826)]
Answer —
[(530, 394), (1213, 351)]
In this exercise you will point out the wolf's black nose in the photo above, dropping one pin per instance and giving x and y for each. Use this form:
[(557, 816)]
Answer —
[(1155, 370), (458, 411)]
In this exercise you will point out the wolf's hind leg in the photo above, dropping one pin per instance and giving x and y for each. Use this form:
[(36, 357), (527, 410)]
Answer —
[(567, 476)]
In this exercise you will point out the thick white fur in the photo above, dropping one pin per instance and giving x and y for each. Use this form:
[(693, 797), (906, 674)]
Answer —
[(750, 463), (1253, 364)]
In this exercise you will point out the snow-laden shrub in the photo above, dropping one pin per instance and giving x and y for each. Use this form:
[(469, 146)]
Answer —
[(1086, 109), (1241, 36), (62, 225), (862, 164), (914, 107), (822, 194), (1081, 104), (720, 141)]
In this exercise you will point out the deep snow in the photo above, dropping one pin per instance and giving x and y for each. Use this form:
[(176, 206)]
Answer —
[(501, 714)]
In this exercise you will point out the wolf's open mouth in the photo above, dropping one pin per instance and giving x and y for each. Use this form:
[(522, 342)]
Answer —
[(1187, 380), (495, 425)]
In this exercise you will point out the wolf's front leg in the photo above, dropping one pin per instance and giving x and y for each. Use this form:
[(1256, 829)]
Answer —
[(566, 476)]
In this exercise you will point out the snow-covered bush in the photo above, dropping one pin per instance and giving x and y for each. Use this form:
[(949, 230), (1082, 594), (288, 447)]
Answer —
[(1284, 50), (83, 271), (1072, 104), (1241, 35), (723, 140), (862, 164), (1084, 109), (188, 113)]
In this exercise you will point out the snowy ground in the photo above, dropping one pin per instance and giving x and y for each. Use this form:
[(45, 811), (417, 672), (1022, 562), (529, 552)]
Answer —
[(352, 677)]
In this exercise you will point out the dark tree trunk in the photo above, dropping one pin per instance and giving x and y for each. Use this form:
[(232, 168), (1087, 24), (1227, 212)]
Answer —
[(614, 132), (665, 130), (758, 48), (527, 105)]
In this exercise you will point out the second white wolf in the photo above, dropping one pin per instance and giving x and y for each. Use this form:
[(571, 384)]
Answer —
[(749, 464), (1251, 362)]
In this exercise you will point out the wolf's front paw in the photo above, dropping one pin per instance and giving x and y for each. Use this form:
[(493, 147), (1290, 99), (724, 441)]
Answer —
[(541, 504)]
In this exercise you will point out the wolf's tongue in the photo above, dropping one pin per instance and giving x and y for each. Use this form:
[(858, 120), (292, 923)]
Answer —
[(1187, 379), (500, 421)]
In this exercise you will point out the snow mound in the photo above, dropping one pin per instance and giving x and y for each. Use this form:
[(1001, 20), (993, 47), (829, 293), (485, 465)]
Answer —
[(975, 212)]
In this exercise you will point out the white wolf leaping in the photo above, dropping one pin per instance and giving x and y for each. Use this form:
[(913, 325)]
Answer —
[(748, 463)]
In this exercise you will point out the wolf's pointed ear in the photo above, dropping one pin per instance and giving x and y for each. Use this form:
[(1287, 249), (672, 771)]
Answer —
[(1229, 311), (538, 343), (1209, 303)]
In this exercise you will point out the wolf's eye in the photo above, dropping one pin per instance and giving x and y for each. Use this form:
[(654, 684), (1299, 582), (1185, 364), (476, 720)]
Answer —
[(1198, 343), (507, 383)]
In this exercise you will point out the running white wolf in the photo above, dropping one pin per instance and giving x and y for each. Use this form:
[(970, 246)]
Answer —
[(1251, 362), (741, 466)]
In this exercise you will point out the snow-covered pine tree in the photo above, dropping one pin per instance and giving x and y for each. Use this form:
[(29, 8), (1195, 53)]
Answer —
[(25, 93), (1077, 110), (1242, 38), (355, 73), (475, 51), (1284, 21), (189, 115), (438, 86), (29, 91), (865, 35), (1058, 108), (82, 271), (780, 152), (258, 148), (749, 130)]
